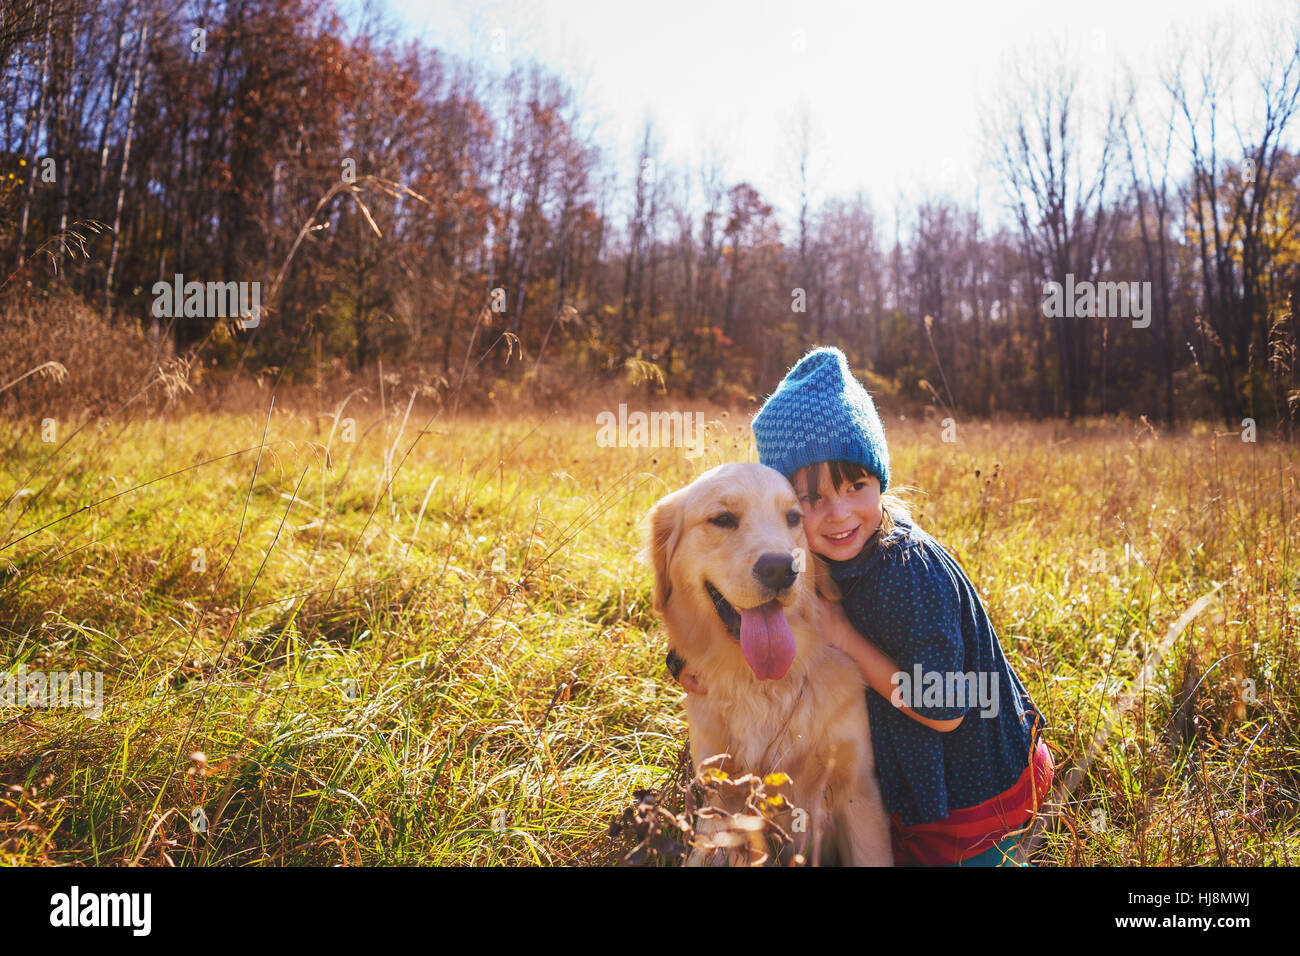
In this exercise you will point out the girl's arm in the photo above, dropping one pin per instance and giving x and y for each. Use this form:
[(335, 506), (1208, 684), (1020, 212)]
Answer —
[(877, 667)]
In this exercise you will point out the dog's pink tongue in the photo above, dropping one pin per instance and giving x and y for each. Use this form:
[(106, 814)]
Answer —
[(766, 640)]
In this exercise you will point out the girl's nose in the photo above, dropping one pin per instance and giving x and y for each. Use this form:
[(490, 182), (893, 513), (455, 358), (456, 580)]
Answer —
[(835, 506)]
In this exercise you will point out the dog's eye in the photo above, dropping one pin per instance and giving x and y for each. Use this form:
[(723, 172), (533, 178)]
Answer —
[(725, 520), (793, 519)]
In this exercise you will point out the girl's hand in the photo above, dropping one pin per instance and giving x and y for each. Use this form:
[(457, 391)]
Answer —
[(677, 668), (834, 623), (690, 684)]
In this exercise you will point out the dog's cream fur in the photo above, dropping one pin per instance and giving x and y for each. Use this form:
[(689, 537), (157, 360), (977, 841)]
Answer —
[(811, 723)]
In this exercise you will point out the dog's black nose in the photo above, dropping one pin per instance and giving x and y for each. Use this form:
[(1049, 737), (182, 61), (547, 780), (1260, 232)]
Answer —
[(775, 571)]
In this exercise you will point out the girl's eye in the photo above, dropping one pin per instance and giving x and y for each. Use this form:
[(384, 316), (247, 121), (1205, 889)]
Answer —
[(793, 519), (725, 520)]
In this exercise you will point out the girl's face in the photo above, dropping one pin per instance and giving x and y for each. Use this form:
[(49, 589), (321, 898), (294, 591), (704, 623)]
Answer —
[(839, 521)]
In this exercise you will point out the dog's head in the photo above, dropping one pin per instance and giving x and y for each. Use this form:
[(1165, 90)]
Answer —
[(732, 544)]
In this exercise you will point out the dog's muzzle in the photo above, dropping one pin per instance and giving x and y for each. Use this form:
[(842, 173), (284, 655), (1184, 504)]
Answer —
[(776, 572), (763, 633)]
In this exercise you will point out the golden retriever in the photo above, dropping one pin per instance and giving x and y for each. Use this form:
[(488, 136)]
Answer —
[(727, 552)]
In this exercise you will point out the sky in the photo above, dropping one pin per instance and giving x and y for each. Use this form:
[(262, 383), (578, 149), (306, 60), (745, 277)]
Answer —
[(897, 91)]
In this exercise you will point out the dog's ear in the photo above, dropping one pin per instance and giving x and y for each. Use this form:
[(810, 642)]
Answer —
[(665, 527), (822, 580)]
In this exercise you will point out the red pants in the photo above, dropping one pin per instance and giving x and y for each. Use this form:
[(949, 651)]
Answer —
[(972, 830)]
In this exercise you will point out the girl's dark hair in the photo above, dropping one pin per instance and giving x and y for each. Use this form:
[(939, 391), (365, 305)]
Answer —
[(893, 506)]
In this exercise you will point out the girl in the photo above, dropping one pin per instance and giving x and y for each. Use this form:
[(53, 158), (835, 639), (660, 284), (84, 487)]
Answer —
[(957, 739)]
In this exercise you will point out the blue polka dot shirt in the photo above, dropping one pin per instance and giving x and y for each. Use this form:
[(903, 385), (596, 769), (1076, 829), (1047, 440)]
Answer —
[(909, 597)]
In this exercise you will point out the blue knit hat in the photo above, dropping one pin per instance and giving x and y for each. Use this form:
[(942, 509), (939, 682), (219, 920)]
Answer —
[(820, 412)]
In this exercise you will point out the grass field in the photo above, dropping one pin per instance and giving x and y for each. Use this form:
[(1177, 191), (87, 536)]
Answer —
[(433, 643)]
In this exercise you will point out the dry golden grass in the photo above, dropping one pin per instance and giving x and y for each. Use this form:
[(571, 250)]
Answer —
[(425, 639)]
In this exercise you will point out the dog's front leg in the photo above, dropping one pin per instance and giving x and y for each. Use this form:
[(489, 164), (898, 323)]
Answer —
[(707, 753), (704, 853), (865, 822)]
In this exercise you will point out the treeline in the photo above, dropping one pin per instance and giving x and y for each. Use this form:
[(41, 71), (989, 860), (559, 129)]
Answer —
[(395, 203)]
